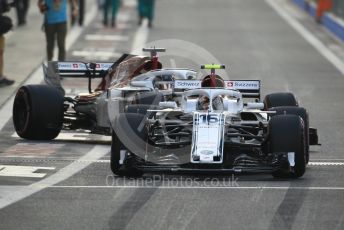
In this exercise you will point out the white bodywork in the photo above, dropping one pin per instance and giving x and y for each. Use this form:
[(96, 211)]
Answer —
[(207, 137), (209, 125)]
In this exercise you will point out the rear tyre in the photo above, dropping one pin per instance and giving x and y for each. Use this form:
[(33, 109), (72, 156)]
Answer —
[(38, 112), (301, 112), (127, 137), (279, 99), (286, 133)]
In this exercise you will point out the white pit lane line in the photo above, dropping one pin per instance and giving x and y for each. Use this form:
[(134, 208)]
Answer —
[(318, 163), (22, 171), (21, 192), (12, 194), (96, 54), (204, 187), (100, 37), (77, 160)]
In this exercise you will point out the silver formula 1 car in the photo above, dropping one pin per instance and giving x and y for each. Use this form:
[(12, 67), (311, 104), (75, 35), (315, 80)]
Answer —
[(40, 112), (209, 125)]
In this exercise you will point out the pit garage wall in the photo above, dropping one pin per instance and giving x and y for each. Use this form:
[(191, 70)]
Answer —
[(332, 22)]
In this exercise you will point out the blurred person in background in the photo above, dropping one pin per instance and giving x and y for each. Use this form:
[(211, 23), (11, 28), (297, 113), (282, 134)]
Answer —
[(100, 4), (22, 7), (81, 13), (5, 26), (146, 10), (112, 5), (55, 25)]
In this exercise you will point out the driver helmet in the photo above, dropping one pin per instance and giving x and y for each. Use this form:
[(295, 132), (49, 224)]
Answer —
[(203, 102), (206, 82)]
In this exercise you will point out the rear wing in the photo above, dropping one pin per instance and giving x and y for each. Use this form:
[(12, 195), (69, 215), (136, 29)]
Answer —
[(55, 70), (80, 69), (77, 69), (248, 88)]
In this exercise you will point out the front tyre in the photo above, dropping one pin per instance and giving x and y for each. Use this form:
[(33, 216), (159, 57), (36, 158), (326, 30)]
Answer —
[(127, 138), (301, 112), (286, 133)]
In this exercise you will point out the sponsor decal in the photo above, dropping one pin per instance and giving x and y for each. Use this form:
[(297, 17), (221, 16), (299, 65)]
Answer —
[(242, 85), (104, 66), (81, 66), (64, 66), (207, 152), (184, 84), (229, 84), (70, 66), (239, 85)]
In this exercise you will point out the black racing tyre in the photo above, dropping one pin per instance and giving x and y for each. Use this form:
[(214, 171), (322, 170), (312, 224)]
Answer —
[(38, 112), (130, 137), (149, 98), (299, 111), (279, 99), (286, 134)]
